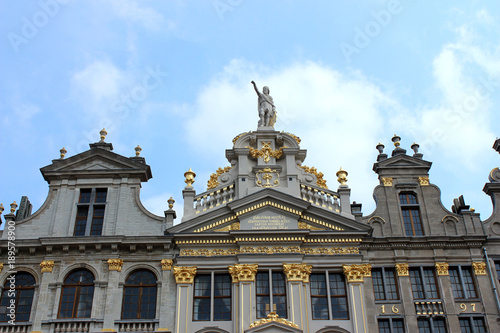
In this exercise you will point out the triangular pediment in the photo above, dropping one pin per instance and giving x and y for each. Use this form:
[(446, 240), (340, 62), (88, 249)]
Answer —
[(402, 161), (270, 210), (97, 162)]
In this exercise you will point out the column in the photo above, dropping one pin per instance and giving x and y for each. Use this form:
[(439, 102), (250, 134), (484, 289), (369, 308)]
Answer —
[(243, 276), (297, 276), (403, 271), (114, 295), (46, 267), (184, 277), (447, 296), (167, 307), (354, 276)]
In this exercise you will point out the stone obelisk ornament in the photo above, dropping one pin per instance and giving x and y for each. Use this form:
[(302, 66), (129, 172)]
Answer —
[(267, 110)]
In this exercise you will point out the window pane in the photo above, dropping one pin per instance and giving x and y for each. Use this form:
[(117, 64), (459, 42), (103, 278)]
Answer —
[(279, 294), (85, 195), (139, 296), (23, 297), (456, 285), (470, 288), (416, 284), (97, 220), (384, 326), (417, 224), (439, 325), (398, 326), (430, 283), (338, 296), (465, 325), (81, 220), (390, 282), (202, 290), (424, 325), (263, 295), (100, 195), (378, 284), (222, 297), (479, 325), (319, 296)]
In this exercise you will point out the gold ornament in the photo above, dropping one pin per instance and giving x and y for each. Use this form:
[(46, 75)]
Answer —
[(213, 181), (424, 181), (387, 181), (184, 274), (103, 134), (63, 152), (403, 269), (273, 317), (356, 273), (442, 268), (479, 267), (115, 264), (243, 272), (319, 175), (297, 272), (266, 152), (47, 266), (190, 175), (166, 264), (342, 176)]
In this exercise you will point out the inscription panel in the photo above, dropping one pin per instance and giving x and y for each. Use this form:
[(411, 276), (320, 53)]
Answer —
[(269, 221)]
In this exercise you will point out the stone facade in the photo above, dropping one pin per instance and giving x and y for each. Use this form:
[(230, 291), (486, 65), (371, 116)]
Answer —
[(267, 248)]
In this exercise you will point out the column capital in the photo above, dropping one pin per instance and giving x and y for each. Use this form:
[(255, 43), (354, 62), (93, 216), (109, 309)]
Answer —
[(297, 272), (185, 274), (46, 266), (356, 273), (115, 264), (442, 268), (166, 264), (479, 267), (403, 269), (243, 272)]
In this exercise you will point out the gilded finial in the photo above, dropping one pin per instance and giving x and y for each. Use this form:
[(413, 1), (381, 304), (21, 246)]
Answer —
[(342, 176), (103, 134), (171, 202), (138, 150), (189, 177), (63, 152), (13, 207), (396, 140), (472, 210), (1, 209)]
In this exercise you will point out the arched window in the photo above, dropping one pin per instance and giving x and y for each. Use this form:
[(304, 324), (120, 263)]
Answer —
[(23, 296), (139, 296), (77, 295)]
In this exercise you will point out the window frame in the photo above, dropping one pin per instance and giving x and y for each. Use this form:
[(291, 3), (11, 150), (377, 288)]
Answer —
[(213, 275), (425, 290), (76, 296), (272, 305), (329, 295), (461, 279), (411, 208), (93, 204), (391, 321), (432, 321), (141, 287), (471, 320), (18, 295), (384, 285)]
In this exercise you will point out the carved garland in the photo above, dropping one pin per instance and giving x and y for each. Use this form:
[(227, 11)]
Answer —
[(213, 181), (243, 272), (297, 272), (184, 274), (319, 175)]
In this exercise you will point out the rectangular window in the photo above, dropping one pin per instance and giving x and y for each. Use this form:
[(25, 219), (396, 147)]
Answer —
[(90, 212), (411, 214), (391, 325), (423, 283), (462, 282), (265, 283), (203, 297), (472, 325), (431, 325), (385, 284), (334, 297)]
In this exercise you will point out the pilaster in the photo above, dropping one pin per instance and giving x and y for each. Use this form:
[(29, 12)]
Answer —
[(46, 267), (184, 277), (243, 276), (297, 276), (354, 276), (114, 294)]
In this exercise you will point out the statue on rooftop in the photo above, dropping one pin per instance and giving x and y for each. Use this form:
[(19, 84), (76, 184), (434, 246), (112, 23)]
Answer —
[(267, 110)]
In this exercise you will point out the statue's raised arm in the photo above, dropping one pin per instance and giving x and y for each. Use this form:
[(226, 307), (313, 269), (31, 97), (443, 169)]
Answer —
[(267, 110)]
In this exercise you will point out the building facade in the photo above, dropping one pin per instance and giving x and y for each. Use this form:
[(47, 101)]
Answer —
[(267, 248)]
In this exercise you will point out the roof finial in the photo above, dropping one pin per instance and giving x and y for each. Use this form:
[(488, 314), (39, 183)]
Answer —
[(190, 175), (138, 150), (103, 134), (171, 202), (13, 207), (396, 140), (1, 209), (342, 176), (63, 152)]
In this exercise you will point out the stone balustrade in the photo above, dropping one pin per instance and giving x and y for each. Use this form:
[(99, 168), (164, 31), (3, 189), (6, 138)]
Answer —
[(320, 197), (72, 326), (208, 200), (139, 326), (427, 308)]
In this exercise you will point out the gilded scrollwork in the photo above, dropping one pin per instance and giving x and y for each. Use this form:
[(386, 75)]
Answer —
[(403, 269), (243, 272), (297, 272), (267, 178), (266, 152), (356, 273), (442, 268), (387, 181), (184, 274), (213, 182), (273, 317), (423, 181), (319, 175), (303, 225)]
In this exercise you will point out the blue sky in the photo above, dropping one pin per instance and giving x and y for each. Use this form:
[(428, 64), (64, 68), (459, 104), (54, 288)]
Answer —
[(174, 77)]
